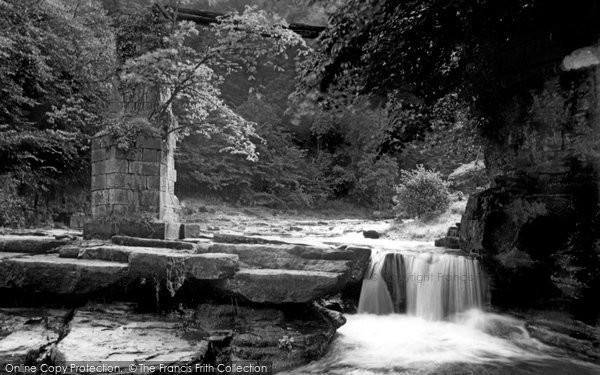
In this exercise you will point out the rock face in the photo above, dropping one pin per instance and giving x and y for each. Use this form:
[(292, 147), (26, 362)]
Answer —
[(210, 333), (536, 226), (283, 286), (469, 177)]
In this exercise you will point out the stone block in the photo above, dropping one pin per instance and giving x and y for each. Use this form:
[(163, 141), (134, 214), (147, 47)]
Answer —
[(166, 265), (98, 154), (116, 180), (153, 183), (147, 242), (98, 182), (190, 231), (149, 198), (276, 286), (103, 230), (117, 166), (51, 274), (99, 197), (119, 196), (144, 168), (30, 244), (135, 182), (98, 168), (151, 155), (100, 210)]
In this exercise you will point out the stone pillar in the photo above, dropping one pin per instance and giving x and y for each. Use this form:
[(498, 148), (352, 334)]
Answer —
[(133, 192)]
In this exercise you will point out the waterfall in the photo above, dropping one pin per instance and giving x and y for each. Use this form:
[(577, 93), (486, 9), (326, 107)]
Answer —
[(428, 285)]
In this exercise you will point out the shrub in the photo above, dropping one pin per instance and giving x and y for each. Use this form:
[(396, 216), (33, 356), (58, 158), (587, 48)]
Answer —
[(422, 194)]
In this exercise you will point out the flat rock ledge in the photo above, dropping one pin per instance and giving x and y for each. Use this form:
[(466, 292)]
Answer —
[(51, 274), (275, 286), (268, 273)]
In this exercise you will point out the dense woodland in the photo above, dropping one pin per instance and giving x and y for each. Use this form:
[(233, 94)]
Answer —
[(300, 122)]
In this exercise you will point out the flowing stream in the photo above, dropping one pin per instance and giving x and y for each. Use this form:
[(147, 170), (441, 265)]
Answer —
[(422, 313)]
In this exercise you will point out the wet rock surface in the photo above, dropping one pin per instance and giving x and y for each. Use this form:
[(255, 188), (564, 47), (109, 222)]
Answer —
[(273, 283), (211, 333)]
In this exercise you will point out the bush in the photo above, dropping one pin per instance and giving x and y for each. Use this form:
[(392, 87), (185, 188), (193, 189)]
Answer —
[(421, 194)]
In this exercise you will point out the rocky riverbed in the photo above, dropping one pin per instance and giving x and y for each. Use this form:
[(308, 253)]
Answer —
[(219, 298)]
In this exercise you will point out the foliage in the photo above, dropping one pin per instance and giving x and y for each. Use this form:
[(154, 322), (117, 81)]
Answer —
[(281, 177), (178, 85), (376, 179), (422, 51), (421, 193), (11, 204), (55, 61)]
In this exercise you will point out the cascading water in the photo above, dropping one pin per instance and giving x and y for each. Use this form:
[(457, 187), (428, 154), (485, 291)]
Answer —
[(429, 321), (428, 285)]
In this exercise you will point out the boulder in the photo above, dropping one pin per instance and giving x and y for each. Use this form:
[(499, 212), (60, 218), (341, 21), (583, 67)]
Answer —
[(63, 276), (371, 234), (275, 286)]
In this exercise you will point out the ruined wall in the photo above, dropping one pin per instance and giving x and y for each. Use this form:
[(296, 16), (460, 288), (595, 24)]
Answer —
[(140, 182)]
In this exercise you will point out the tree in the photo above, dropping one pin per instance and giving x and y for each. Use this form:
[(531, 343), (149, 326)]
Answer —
[(422, 51), (184, 75), (56, 60)]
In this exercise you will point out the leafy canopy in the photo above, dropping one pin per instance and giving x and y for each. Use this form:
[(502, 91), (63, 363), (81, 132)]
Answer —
[(185, 74)]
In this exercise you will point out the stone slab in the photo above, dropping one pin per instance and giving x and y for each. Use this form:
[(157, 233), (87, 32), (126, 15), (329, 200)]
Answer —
[(102, 230), (148, 242), (275, 257), (30, 244), (116, 253), (64, 276), (177, 265), (274, 286)]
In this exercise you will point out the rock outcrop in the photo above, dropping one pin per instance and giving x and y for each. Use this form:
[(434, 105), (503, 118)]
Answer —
[(275, 286), (536, 226)]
